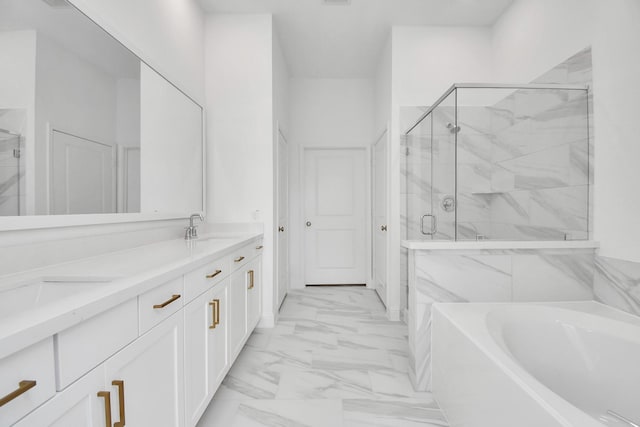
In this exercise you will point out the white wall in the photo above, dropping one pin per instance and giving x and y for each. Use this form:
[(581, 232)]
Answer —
[(167, 34), (535, 35), (128, 112), (324, 113), (240, 119)]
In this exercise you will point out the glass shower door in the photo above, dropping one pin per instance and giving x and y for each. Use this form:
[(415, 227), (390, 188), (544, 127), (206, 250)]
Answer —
[(440, 224)]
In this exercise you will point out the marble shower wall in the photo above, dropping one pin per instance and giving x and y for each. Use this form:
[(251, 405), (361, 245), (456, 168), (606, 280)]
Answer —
[(523, 162), (617, 283), (488, 276), (542, 156)]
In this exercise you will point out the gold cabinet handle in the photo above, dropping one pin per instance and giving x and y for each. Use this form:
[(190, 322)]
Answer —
[(240, 258), (120, 385), (259, 247), (23, 387), (215, 313), (167, 302), (214, 274), (251, 276), (107, 407)]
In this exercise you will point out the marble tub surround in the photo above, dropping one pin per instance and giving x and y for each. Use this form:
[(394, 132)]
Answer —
[(488, 271), (132, 272), (332, 360), (617, 283)]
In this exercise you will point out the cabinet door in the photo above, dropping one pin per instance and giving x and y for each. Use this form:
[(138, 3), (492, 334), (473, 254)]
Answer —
[(237, 311), (253, 293), (205, 344), (152, 378), (78, 405), (218, 343)]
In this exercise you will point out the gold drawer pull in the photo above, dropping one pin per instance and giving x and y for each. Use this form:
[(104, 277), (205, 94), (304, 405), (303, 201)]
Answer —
[(107, 407), (120, 385), (167, 302), (240, 258), (215, 313), (259, 247), (212, 275), (23, 387), (251, 275)]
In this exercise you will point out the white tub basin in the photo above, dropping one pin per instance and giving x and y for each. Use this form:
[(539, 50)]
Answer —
[(43, 291), (541, 365)]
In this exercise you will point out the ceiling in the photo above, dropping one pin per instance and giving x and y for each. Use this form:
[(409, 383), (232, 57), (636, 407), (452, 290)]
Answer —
[(345, 41)]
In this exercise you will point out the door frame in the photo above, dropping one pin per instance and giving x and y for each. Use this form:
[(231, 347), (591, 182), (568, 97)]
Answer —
[(385, 137), (276, 239), (304, 148)]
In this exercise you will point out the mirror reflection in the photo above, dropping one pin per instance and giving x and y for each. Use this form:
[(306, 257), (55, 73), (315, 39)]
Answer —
[(69, 114)]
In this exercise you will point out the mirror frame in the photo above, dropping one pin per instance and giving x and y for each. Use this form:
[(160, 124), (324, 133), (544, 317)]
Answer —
[(30, 222)]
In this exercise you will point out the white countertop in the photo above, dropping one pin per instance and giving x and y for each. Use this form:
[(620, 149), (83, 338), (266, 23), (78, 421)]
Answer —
[(498, 244), (137, 270)]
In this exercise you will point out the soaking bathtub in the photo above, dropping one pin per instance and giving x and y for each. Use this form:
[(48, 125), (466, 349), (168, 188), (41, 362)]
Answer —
[(536, 365)]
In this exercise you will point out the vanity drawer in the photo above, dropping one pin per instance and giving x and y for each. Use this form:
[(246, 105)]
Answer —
[(242, 256), (160, 303), (27, 379), (201, 280), (81, 348)]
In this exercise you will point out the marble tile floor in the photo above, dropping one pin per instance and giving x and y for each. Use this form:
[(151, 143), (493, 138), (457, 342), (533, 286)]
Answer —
[(332, 360)]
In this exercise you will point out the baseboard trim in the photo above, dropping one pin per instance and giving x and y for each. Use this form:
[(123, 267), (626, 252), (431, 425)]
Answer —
[(266, 321)]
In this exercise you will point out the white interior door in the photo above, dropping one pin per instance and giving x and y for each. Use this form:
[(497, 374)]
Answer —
[(283, 219), (380, 217), (82, 175), (335, 216)]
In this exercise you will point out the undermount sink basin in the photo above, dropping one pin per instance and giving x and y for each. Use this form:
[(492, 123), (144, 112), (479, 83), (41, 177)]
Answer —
[(44, 291)]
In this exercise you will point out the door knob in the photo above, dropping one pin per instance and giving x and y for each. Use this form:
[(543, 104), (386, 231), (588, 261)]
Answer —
[(281, 229), (308, 223), (383, 228)]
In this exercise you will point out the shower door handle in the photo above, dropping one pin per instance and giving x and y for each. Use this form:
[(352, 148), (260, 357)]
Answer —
[(434, 225)]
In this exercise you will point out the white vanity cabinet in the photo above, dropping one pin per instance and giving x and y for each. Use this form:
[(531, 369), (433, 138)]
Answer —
[(78, 405), (166, 373), (237, 311), (205, 341), (254, 292), (147, 376)]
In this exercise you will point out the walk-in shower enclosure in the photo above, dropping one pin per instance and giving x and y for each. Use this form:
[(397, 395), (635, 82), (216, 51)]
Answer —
[(503, 162)]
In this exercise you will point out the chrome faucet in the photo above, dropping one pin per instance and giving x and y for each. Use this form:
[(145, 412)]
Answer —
[(192, 230)]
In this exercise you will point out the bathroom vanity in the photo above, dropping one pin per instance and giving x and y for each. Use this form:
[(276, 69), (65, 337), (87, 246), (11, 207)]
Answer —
[(142, 336)]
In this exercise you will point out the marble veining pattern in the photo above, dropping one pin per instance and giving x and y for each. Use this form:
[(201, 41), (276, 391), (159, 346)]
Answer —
[(524, 164), (333, 360), (617, 283), (506, 275)]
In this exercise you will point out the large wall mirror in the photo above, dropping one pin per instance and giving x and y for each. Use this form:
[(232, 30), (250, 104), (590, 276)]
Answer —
[(86, 127)]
